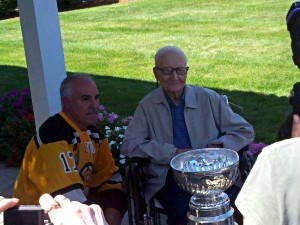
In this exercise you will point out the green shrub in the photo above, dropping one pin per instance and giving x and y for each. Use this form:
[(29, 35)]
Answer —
[(61, 4), (16, 125), (7, 6)]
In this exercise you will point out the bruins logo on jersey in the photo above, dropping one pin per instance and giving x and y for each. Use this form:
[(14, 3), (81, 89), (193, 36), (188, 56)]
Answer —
[(86, 176)]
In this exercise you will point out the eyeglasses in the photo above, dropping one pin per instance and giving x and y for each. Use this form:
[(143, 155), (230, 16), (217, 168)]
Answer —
[(169, 70)]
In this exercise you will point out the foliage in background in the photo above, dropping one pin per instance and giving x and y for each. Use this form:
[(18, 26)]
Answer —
[(239, 48), (61, 4), (16, 125), (7, 6)]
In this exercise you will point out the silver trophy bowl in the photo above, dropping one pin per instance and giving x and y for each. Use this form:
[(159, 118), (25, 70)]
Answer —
[(206, 174)]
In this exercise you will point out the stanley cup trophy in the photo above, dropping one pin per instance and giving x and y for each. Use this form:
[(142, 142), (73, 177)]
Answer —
[(206, 174)]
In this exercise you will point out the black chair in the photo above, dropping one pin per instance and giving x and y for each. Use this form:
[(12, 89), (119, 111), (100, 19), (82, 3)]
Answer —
[(139, 211)]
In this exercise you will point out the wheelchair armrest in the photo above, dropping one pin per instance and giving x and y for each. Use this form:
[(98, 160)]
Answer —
[(246, 162), (141, 162)]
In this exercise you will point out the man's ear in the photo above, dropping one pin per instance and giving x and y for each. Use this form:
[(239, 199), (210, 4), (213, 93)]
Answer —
[(65, 102), (155, 74)]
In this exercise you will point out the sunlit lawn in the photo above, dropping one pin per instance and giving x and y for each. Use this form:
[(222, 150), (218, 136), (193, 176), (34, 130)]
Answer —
[(240, 48)]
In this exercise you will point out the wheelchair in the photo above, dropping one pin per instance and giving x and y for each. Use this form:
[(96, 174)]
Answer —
[(139, 211), (142, 213)]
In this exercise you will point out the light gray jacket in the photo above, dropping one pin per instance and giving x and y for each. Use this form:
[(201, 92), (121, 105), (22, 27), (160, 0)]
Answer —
[(209, 120)]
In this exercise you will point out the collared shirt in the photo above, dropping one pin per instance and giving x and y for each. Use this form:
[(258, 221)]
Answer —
[(181, 137)]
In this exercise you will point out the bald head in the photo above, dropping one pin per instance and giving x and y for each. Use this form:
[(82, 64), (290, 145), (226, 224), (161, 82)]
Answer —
[(171, 71), (166, 51)]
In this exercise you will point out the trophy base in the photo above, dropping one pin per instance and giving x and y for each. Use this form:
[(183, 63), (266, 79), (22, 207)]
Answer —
[(210, 211)]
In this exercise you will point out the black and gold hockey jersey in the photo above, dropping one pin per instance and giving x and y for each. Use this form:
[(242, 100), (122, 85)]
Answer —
[(62, 159)]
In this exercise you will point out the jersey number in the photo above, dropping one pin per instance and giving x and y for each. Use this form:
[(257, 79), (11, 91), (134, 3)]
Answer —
[(66, 165)]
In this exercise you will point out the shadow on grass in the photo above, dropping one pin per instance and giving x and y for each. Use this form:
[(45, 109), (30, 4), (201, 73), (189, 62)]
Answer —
[(264, 112), (80, 4)]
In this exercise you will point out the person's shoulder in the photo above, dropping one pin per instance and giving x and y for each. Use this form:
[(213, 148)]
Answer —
[(202, 91), (153, 96), (55, 128), (282, 149), (199, 89)]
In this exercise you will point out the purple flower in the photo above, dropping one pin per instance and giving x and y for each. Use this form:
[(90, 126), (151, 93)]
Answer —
[(19, 102), (127, 120), (101, 107), (100, 116), (255, 148), (22, 112), (112, 117), (25, 91), (12, 93)]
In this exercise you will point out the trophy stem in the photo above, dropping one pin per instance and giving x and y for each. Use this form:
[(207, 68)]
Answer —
[(210, 210)]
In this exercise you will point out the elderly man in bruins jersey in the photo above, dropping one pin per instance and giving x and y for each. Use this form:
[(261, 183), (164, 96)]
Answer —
[(70, 156)]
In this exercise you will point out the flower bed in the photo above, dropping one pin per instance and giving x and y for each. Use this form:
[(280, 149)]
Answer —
[(114, 128), (16, 125)]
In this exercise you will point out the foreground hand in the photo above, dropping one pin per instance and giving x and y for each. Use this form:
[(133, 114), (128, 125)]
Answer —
[(296, 126), (62, 211), (6, 203)]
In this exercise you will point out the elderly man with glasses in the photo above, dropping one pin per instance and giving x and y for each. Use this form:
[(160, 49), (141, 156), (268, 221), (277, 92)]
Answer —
[(175, 118)]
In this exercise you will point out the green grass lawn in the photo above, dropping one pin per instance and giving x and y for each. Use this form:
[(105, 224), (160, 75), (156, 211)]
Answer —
[(240, 48)]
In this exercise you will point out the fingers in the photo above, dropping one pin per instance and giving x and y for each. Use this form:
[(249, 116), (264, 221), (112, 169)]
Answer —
[(6, 203), (99, 215), (64, 212), (52, 208), (296, 126), (62, 201), (47, 202)]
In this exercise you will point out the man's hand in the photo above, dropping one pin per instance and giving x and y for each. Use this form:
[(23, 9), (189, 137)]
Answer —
[(62, 211), (296, 126)]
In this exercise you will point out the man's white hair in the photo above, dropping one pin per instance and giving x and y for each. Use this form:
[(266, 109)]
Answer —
[(167, 49), (66, 85)]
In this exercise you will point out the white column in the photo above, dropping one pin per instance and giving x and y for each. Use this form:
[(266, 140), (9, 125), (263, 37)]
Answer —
[(44, 55)]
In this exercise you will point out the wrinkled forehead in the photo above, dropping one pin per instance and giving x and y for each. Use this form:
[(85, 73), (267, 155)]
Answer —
[(84, 87)]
